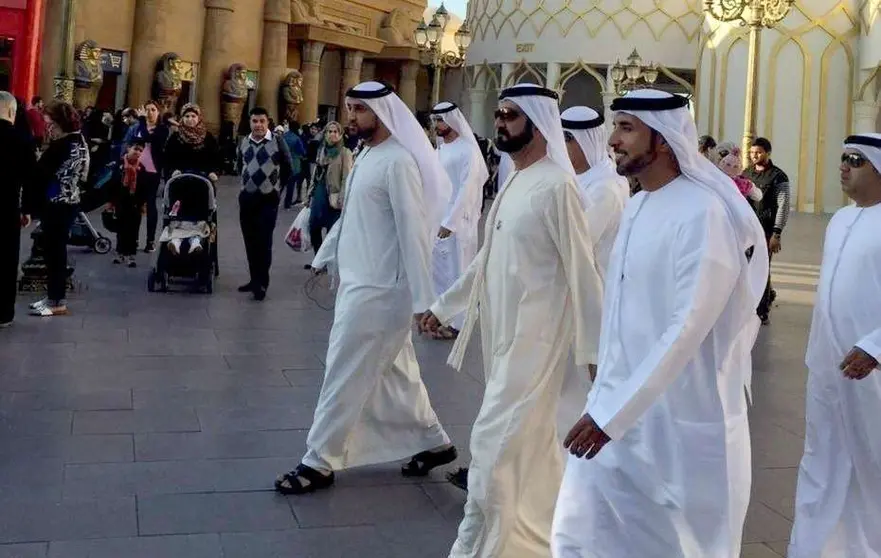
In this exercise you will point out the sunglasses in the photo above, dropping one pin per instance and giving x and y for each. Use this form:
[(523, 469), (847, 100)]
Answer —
[(853, 160), (568, 136), (506, 114)]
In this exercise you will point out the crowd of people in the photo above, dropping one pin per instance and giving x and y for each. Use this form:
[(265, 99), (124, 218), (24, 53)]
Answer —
[(647, 304)]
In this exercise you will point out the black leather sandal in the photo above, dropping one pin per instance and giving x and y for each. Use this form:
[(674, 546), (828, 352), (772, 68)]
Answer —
[(290, 483), (423, 462)]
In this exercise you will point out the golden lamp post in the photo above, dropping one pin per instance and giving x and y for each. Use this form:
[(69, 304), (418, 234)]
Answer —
[(429, 39), (756, 14), (633, 74)]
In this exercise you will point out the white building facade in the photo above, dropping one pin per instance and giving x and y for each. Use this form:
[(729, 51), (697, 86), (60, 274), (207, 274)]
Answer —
[(818, 80)]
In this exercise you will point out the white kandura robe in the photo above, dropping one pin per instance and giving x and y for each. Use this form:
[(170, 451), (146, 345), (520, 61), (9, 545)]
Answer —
[(373, 406), (541, 293), (674, 482), (604, 193), (838, 502), (453, 254)]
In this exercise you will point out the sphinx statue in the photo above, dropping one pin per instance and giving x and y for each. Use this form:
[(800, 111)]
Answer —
[(234, 93), (395, 29), (306, 11), (88, 74), (168, 83), (292, 95)]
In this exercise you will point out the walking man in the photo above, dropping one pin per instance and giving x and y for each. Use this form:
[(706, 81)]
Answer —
[(538, 292), (373, 406), (265, 164), (457, 241), (18, 160), (838, 500), (660, 461)]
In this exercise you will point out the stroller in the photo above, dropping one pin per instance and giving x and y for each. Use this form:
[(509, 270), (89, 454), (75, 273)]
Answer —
[(82, 232), (189, 216)]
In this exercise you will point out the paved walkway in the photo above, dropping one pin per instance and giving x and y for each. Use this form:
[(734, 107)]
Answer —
[(152, 425)]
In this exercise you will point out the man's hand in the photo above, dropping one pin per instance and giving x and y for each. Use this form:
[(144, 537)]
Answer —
[(858, 364), (141, 111), (774, 245), (427, 322), (212, 177), (25, 221), (444, 232), (592, 370), (585, 438)]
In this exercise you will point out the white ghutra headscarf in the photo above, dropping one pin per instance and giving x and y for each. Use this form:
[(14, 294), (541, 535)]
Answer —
[(541, 106), (586, 126), (868, 145), (400, 121), (454, 118), (668, 115)]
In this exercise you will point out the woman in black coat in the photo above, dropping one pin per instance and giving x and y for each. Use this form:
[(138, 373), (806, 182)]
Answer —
[(192, 148)]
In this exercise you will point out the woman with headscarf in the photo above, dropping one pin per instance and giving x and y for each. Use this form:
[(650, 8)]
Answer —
[(327, 193), (192, 148)]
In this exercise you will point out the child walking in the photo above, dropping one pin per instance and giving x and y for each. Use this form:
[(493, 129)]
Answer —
[(129, 200)]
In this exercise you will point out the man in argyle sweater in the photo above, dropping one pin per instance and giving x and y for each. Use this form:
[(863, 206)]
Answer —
[(266, 165)]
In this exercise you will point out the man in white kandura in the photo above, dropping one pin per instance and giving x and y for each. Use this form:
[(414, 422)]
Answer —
[(457, 241), (838, 501), (603, 191), (373, 406), (539, 292), (678, 325)]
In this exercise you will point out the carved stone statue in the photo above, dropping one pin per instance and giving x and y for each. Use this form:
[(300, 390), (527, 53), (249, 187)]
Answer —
[(396, 29), (168, 81), (89, 75), (234, 93), (292, 94), (306, 11)]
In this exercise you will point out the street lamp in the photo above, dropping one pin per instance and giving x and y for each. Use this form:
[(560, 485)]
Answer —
[(633, 74), (756, 14), (429, 39)]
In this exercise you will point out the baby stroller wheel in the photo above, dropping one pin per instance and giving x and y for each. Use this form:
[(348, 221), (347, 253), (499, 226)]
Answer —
[(102, 245), (151, 282)]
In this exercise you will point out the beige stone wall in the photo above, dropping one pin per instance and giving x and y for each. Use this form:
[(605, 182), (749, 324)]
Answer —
[(110, 24), (331, 74), (247, 32)]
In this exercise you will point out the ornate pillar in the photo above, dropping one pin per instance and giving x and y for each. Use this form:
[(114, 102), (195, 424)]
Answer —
[(407, 85), (507, 70), (609, 95), (148, 44), (310, 67), (865, 116), (477, 95), (352, 61), (217, 56), (274, 59), (552, 75), (63, 82), (368, 71)]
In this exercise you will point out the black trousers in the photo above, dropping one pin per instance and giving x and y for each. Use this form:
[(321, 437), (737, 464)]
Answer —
[(10, 242), (150, 182), (257, 216), (764, 308), (128, 214), (55, 223)]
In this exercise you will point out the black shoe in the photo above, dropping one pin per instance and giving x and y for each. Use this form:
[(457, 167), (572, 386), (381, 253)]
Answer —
[(423, 462), (150, 248), (459, 479), (307, 266), (247, 288), (259, 293)]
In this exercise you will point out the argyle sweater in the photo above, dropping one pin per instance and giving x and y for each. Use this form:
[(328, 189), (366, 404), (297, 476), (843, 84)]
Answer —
[(265, 165)]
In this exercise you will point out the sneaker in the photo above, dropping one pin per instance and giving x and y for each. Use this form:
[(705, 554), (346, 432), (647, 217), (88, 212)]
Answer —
[(50, 309), (118, 259), (195, 248), (37, 304), (150, 248), (131, 262)]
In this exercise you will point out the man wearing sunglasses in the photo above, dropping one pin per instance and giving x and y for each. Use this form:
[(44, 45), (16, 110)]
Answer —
[(539, 295), (457, 242), (838, 500), (660, 461)]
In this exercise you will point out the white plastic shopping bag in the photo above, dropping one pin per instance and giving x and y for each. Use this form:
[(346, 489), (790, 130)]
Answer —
[(298, 235)]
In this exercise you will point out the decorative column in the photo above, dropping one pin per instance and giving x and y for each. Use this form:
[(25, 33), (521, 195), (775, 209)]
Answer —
[(407, 85), (865, 116), (63, 82), (609, 95), (477, 95), (217, 56), (507, 70), (552, 75), (148, 44), (352, 61), (310, 67), (274, 59), (368, 70)]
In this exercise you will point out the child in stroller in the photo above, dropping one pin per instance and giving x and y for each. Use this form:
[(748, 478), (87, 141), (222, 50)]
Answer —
[(187, 244)]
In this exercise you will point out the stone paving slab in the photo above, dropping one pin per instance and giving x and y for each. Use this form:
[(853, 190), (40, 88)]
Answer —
[(153, 425)]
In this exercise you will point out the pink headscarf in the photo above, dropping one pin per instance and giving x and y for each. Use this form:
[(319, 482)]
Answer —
[(731, 165)]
